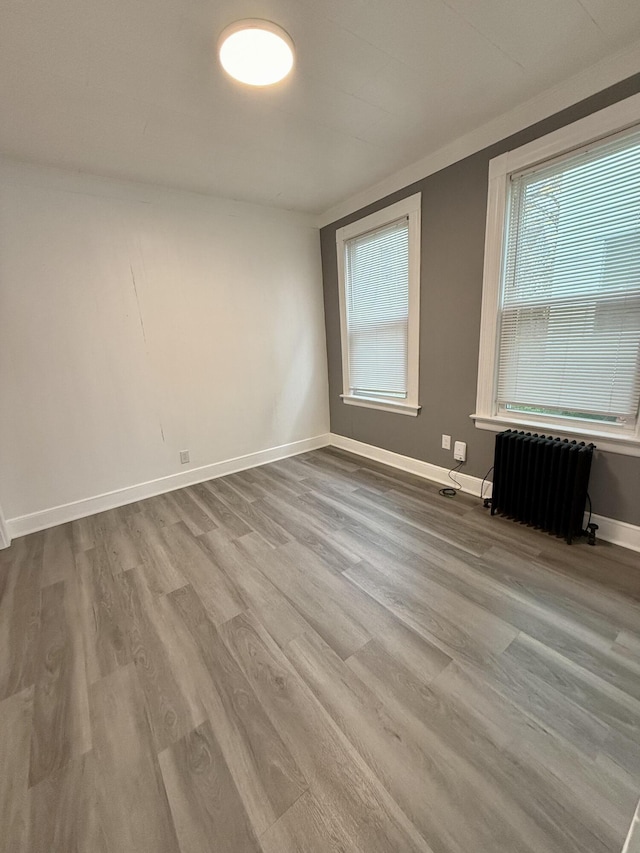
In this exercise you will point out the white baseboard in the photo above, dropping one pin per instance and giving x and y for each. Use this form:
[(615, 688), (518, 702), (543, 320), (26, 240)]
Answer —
[(5, 539), (617, 532), (469, 484), (609, 529), (633, 837), (24, 524)]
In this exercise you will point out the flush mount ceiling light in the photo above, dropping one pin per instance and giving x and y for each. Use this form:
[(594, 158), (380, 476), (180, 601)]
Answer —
[(256, 52)]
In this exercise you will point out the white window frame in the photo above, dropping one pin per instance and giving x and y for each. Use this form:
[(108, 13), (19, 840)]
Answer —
[(591, 129), (411, 208)]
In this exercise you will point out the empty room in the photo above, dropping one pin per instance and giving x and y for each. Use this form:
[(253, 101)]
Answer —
[(320, 426)]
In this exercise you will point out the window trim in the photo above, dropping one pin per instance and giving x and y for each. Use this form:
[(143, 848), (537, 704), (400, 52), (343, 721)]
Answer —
[(411, 208), (587, 131)]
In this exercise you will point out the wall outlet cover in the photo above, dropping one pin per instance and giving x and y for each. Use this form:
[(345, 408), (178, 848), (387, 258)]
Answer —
[(460, 451), (446, 442), (184, 457)]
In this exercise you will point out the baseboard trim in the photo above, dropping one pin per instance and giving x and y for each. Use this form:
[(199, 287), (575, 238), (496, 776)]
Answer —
[(617, 532), (24, 524), (469, 484), (5, 538), (609, 529)]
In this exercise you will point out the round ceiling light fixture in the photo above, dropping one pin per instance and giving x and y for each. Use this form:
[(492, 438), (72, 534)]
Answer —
[(256, 52)]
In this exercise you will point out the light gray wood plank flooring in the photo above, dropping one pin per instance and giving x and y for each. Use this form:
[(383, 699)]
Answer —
[(318, 655)]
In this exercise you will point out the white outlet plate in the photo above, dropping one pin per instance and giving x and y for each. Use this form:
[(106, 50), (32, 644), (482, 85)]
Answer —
[(446, 442), (460, 451), (184, 457)]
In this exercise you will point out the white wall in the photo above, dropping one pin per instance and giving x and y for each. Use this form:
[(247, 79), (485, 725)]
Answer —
[(136, 322)]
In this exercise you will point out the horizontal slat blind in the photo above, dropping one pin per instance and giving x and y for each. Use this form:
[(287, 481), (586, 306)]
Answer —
[(377, 297), (569, 339)]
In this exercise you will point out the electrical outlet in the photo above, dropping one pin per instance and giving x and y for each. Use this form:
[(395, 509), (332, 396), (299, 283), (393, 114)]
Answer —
[(460, 451), (446, 442), (184, 457)]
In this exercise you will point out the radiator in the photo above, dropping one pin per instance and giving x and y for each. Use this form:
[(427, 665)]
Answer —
[(541, 481)]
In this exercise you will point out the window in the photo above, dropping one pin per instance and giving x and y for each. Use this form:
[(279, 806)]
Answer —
[(560, 338), (379, 282)]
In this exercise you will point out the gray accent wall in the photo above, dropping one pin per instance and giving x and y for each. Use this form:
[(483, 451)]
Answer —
[(454, 204)]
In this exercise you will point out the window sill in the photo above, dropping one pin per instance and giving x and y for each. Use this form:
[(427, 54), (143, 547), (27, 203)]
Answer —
[(627, 445), (399, 407)]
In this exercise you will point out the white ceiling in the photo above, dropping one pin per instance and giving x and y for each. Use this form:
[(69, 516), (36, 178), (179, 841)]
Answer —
[(132, 88)]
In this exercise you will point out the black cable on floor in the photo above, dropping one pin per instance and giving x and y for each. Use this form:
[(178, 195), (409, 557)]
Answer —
[(449, 492)]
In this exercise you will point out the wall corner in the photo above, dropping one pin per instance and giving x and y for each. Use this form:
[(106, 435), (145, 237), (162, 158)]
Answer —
[(5, 538)]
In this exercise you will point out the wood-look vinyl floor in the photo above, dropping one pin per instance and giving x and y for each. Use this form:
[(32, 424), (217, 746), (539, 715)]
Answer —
[(317, 655)]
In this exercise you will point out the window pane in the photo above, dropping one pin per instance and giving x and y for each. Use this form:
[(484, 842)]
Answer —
[(570, 314), (377, 297)]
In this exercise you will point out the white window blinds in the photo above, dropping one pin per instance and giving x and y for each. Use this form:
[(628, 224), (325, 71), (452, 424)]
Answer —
[(569, 340), (377, 309)]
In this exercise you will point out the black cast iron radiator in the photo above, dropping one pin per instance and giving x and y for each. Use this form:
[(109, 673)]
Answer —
[(541, 481)]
